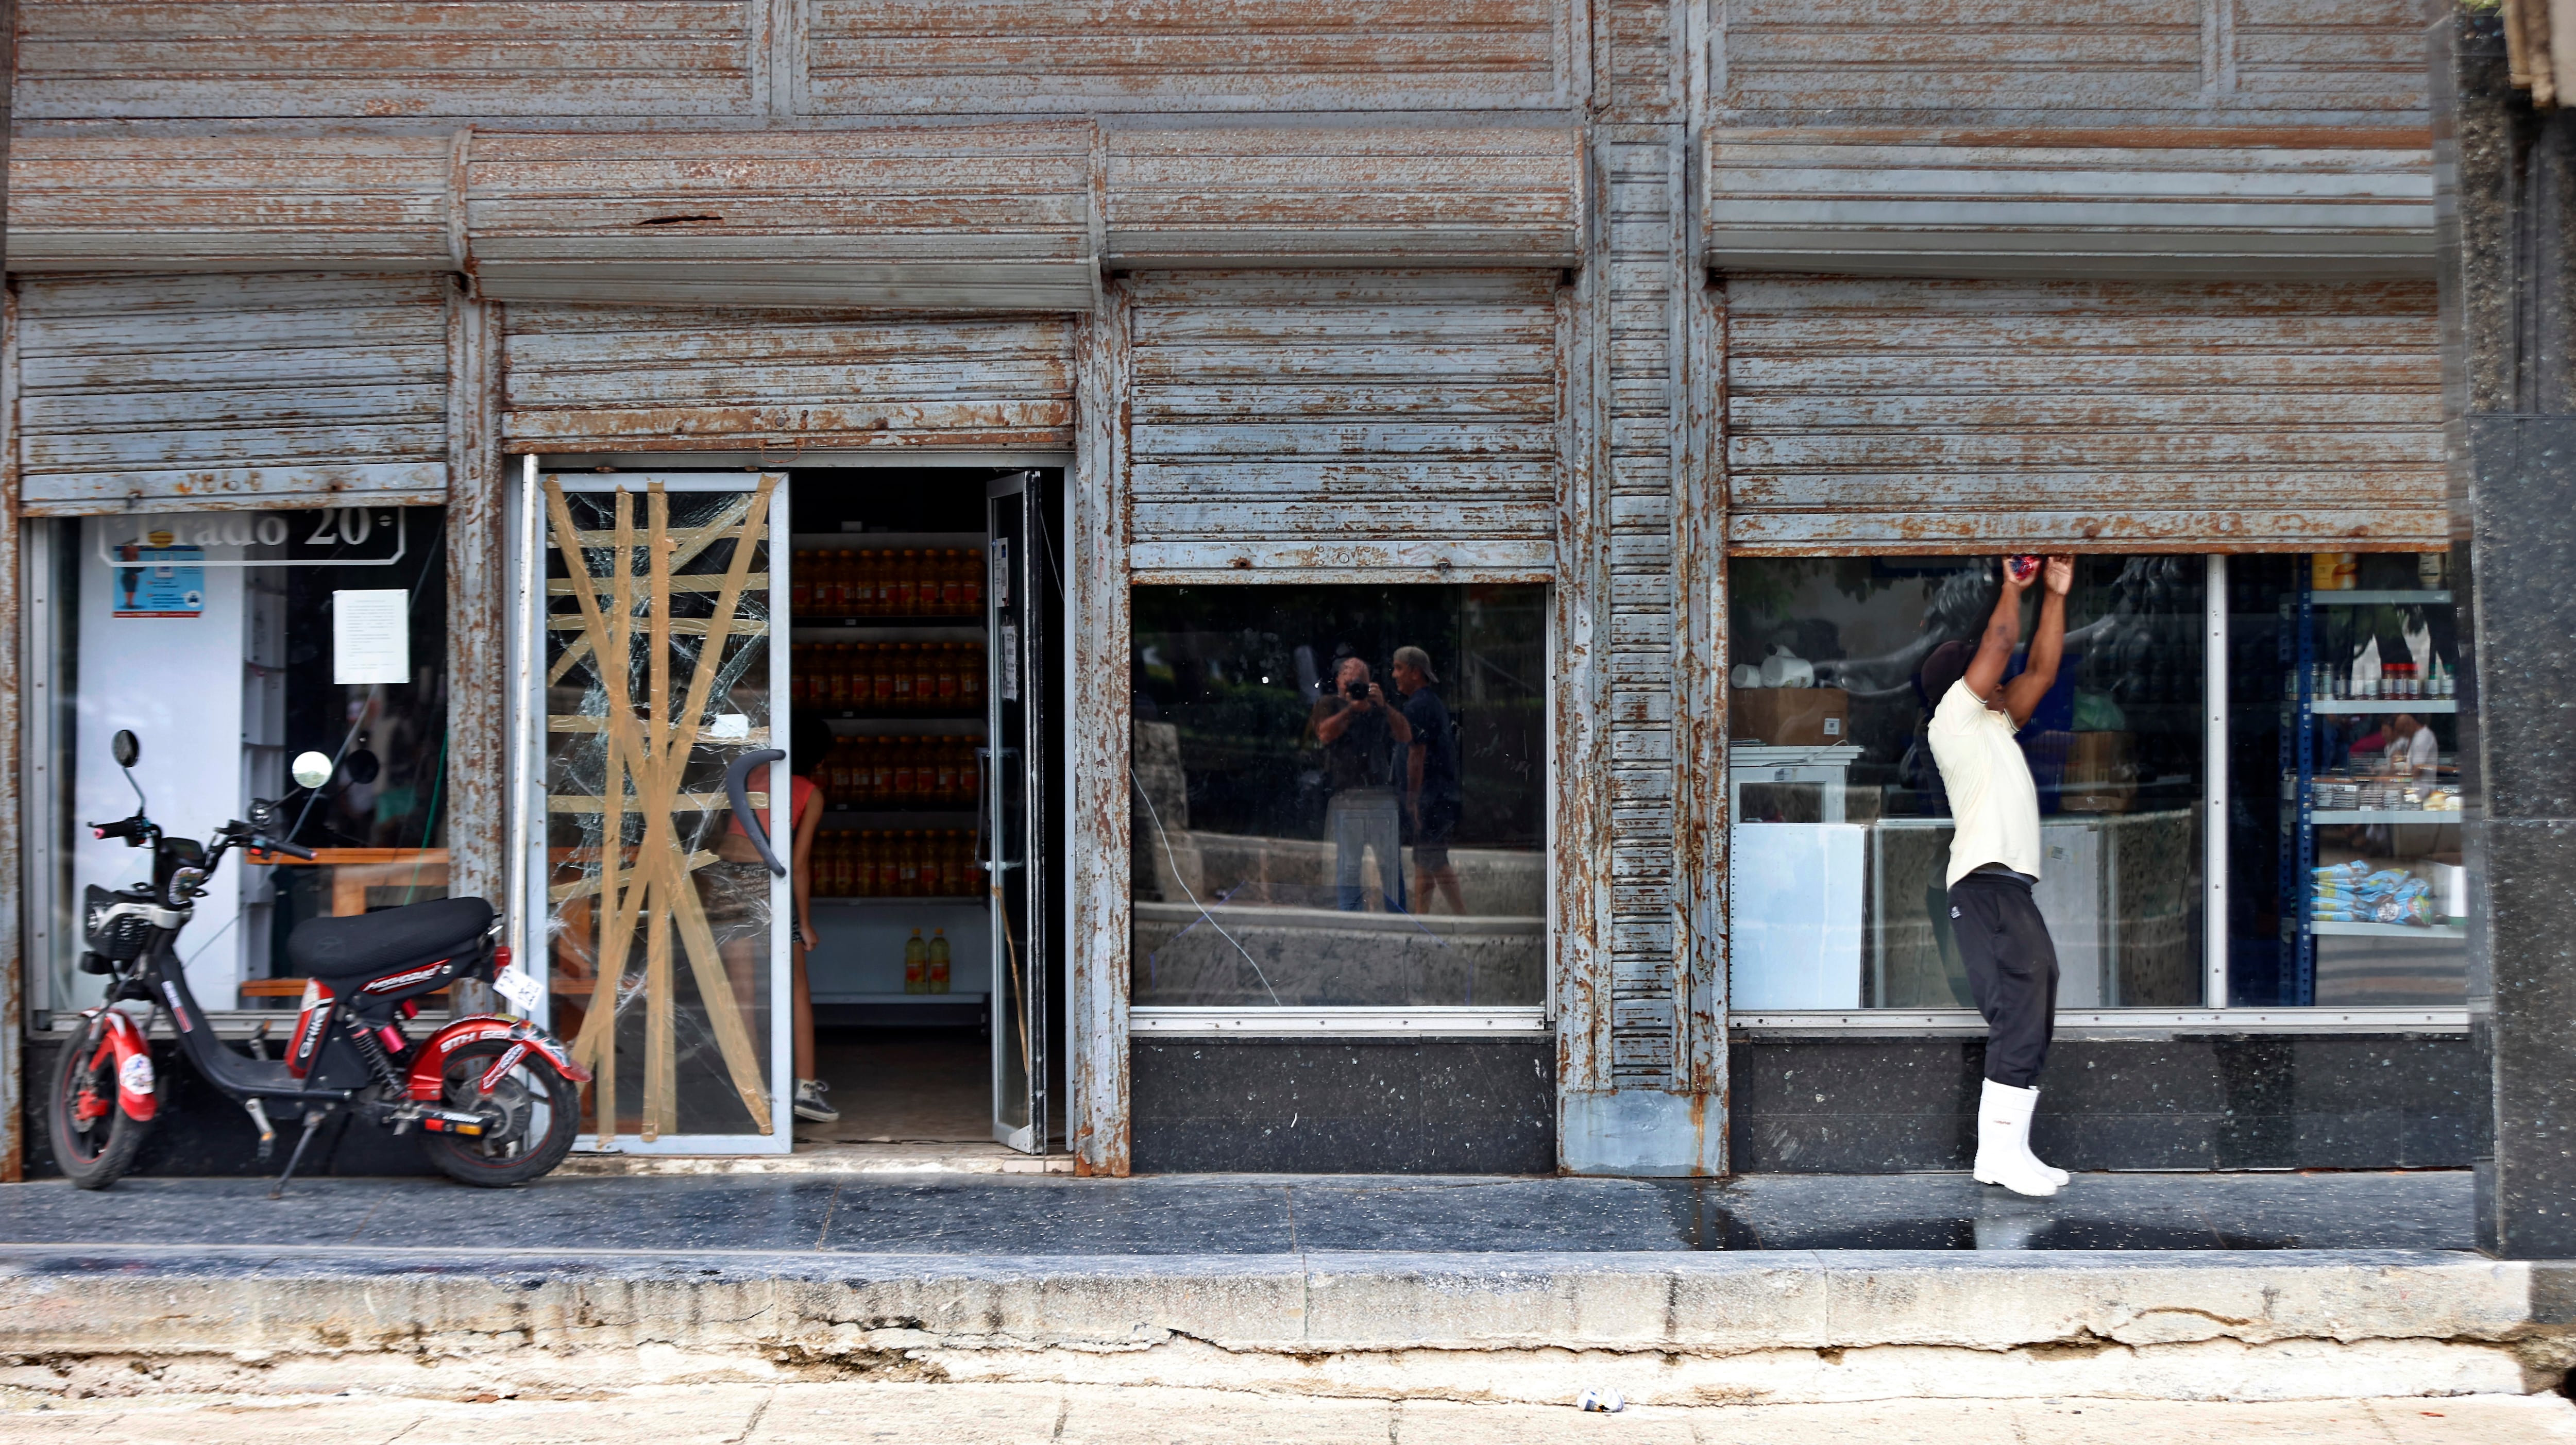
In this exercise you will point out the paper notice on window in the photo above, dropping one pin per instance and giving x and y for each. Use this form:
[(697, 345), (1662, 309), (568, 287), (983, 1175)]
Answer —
[(371, 637)]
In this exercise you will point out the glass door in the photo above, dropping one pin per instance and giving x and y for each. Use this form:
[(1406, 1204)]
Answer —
[(654, 599), (1013, 819)]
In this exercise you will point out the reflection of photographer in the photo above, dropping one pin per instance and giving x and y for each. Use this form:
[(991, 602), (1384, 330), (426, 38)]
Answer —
[(1363, 736)]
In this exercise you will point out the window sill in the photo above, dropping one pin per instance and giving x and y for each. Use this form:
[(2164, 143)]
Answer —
[(2136, 1023)]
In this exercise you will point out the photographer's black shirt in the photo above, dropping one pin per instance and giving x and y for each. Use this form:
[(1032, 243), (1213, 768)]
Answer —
[(1364, 755)]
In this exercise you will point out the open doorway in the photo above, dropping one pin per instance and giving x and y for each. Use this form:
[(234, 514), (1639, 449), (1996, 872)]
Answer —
[(925, 603)]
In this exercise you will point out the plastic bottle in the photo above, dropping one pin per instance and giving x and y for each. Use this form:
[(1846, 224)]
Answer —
[(974, 580), (952, 582), (916, 964), (970, 678), (908, 868), (938, 952), (945, 676)]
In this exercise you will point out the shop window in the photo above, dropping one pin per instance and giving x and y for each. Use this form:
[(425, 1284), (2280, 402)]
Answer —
[(231, 642), (2352, 890), (1839, 826), (1340, 796)]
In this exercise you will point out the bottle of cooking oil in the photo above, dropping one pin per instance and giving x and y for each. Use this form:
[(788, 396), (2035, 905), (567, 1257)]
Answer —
[(938, 960), (916, 964)]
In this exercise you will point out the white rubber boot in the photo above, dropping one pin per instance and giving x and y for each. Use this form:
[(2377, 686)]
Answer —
[(2003, 1142), (2056, 1175)]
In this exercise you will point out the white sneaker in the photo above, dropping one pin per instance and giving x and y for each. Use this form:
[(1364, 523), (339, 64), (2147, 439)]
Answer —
[(2003, 1142), (809, 1102)]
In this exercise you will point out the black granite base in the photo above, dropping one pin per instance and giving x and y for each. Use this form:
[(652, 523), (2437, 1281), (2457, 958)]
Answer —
[(1344, 1106), (1890, 1105), (199, 1132)]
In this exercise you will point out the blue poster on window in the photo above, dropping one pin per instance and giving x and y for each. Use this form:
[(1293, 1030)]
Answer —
[(160, 581)]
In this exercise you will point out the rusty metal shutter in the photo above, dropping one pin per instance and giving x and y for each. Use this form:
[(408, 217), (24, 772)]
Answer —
[(2165, 202), (230, 203), (1345, 419), (1914, 415), (880, 56), (230, 391), (1385, 195), (951, 218), (117, 59), (2356, 60), (610, 378)]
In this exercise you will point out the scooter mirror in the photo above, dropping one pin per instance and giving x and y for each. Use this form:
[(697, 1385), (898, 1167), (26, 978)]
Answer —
[(125, 748), (311, 770)]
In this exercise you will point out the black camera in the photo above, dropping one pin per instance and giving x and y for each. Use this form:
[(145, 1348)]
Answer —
[(1355, 691)]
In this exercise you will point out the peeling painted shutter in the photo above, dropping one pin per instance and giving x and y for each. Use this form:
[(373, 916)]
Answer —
[(1897, 415), (230, 391), (1340, 419), (230, 203), (116, 59), (1197, 55), (611, 378), (2259, 59), (1376, 194), (984, 217)]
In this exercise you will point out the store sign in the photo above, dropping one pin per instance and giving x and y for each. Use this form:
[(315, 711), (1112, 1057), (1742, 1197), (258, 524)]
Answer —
[(328, 537)]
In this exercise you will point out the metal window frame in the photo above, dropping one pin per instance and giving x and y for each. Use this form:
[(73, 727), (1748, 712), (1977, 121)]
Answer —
[(2222, 1016)]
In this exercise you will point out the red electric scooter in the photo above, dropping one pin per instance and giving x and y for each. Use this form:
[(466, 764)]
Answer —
[(497, 1101)]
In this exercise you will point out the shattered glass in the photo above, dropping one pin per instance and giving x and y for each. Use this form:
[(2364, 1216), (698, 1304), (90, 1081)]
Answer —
[(671, 1009)]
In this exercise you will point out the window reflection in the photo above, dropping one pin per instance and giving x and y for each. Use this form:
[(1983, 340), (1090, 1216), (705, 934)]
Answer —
[(1339, 796), (1839, 826)]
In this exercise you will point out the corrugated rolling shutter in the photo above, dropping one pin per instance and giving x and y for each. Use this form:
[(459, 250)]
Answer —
[(1389, 195), (878, 56), (116, 59), (1345, 419), (1914, 415), (2228, 204), (1859, 58), (230, 203), (982, 217), (230, 391), (607, 378)]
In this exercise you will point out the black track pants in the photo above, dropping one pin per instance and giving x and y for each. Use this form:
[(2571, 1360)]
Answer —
[(2012, 970)]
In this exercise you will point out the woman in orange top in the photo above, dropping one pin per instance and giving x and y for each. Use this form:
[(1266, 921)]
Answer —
[(808, 739)]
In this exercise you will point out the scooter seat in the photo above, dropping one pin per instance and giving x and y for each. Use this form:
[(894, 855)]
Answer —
[(339, 949)]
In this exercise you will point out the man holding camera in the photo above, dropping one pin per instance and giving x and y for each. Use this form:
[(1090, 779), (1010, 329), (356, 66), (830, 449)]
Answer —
[(1363, 736), (1994, 858)]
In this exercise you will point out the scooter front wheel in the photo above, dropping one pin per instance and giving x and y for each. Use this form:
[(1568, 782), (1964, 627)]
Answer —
[(94, 1139), (536, 1113)]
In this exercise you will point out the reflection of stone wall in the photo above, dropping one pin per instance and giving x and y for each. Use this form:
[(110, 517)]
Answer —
[(1298, 872), (2156, 869), (1317, 957), (1916, 959)]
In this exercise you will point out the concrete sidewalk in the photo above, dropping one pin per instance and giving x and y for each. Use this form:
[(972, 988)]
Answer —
[(1079, 1415), (1780, 1290)]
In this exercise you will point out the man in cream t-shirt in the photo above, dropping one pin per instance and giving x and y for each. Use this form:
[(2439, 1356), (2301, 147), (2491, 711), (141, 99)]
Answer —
[(1994, 860)]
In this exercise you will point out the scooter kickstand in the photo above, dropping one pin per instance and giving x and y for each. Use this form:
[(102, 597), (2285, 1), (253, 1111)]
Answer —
[(312, 1125)]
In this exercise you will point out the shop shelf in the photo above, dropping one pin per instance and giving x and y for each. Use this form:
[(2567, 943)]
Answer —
[(948, 627), (2383, 815), (941, 900), (898, 998), (948, 723), (858, 816), (2348, 707), (2388, 930), (877, 541), (2435, 598)]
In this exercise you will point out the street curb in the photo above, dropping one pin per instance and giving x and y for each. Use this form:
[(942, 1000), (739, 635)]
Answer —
[(1677, 1328)]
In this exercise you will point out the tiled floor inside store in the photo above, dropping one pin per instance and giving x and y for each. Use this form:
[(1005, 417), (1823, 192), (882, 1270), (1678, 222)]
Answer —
[(1239, 1215)]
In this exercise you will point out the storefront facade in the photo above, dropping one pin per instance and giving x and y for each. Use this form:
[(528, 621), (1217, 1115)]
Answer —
[(1660, 382)]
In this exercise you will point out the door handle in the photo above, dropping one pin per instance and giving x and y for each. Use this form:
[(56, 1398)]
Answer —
[(752, 825)]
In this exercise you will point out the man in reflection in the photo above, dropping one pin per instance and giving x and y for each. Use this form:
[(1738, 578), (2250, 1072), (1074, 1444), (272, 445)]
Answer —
[(1994, 859), (1362, 737), (1431, 794)]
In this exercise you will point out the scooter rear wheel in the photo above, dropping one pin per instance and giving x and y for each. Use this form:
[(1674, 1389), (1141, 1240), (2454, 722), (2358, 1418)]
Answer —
[(93, 1149), (540, 1115)]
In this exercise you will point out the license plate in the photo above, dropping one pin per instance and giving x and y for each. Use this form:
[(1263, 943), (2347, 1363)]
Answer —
[(521, 990)]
